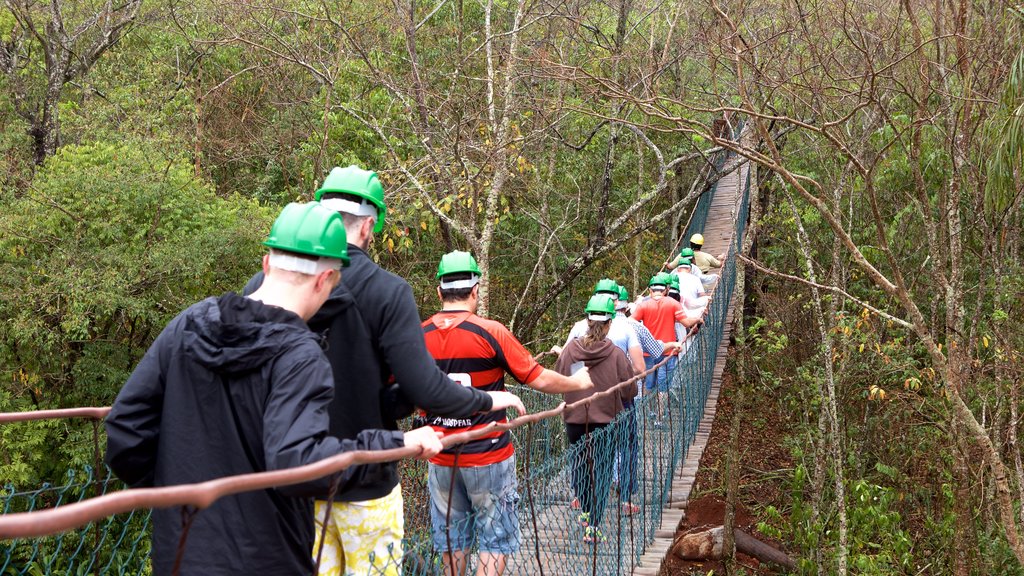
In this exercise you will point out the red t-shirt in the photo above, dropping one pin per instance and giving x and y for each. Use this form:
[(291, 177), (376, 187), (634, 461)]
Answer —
[(476, 352), (660, 316)]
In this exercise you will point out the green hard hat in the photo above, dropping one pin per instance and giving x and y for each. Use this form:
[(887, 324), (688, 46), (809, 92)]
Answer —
[(673, 281), (309, 229), (601, 307), (623, 293), (357, 182), (456, 262), (685, 261), (606, 286), (659, 279), (686, 253)]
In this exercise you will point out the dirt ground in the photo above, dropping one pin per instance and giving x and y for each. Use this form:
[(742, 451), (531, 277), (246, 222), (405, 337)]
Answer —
[(762, 453)]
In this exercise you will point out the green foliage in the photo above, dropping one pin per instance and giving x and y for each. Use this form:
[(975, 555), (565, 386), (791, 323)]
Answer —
[(1006, 135), (110, 242), (877, 542)]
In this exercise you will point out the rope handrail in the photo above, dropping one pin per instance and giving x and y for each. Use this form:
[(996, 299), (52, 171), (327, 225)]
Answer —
[(93, 413)]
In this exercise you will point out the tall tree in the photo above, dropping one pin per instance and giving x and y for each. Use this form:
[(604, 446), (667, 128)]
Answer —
[(69, 37)]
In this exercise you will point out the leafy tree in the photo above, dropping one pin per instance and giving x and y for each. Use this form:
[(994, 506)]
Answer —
[(68, 37), (107, 246)]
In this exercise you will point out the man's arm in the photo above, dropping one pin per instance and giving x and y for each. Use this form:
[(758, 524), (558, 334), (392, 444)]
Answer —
[(648, 343), (636, 357), (687, 321), (133, 425), (520, 364), (551, 382), (295, 422)]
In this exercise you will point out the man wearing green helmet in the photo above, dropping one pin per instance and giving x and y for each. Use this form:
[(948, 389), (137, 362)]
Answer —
[(473, 488), (237, 385), (660, 314), (691, 292), (372, 335)]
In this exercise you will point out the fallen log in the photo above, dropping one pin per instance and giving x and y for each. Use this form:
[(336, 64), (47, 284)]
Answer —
[(708, 545)]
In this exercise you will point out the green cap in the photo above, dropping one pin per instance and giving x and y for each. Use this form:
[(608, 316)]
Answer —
[(686, 253), (607, 286), (355, 181), (601, 307), (309, 229), (623, 293)]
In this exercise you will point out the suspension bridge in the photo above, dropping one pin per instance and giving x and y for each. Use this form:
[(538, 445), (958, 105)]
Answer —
[(552, 543)]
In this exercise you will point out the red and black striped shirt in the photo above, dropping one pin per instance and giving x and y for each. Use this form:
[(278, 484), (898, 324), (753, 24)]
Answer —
[(476, 352)]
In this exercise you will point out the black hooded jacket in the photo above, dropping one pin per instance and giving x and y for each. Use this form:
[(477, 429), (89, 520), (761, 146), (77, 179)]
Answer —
[(372, 331), (231, 386)]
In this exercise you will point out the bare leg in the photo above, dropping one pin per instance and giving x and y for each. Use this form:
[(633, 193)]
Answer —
[(459, 568), (491, 564)]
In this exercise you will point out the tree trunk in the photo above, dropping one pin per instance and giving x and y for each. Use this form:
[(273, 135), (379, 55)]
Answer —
[(708, 545)]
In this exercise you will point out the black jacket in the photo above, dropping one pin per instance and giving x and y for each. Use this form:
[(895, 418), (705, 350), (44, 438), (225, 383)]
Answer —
[(372, 331), (231, 386)]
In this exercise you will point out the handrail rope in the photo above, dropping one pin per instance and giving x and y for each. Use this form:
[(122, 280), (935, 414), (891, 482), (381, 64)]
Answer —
[(95, 413)]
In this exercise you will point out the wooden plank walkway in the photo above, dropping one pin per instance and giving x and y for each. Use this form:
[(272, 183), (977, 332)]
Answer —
[(718, 236)]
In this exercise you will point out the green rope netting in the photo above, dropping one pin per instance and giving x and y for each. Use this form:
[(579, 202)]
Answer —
[(118, 545)]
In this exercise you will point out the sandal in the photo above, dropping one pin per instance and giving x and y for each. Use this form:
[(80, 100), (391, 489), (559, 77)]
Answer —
[(593, 534)]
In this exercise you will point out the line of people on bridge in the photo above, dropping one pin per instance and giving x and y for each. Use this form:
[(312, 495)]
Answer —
[(324, 352)]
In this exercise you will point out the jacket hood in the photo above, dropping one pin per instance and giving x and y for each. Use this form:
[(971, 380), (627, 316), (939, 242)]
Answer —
[(232, 334), (595, 352)]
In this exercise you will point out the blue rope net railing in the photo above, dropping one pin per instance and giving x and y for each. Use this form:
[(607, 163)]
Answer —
[(612, 486)]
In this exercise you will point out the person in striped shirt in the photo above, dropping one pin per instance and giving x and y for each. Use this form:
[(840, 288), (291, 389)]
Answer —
[(473, 489)]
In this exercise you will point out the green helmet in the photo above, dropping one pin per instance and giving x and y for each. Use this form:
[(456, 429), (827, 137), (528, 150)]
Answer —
[(685, 261), (309, 229), (607, 286), (458, 262), (673, 281), (601, 307), (357, 182), (659, 279), (686, 253), (623, 293)]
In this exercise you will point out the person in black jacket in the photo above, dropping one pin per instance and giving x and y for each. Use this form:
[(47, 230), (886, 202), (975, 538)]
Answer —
[(238, 385), (372, 330)]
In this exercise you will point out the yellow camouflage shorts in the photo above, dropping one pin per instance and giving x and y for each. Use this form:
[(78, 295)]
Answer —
[(364, 536)]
